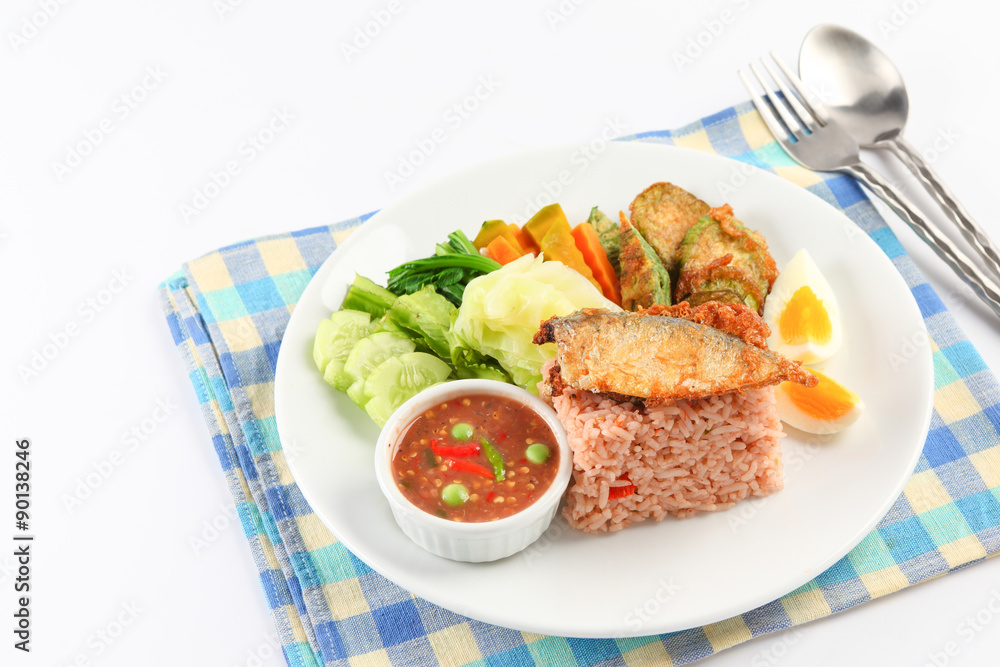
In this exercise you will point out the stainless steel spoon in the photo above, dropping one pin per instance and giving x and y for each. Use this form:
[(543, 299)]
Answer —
[(864, 93)]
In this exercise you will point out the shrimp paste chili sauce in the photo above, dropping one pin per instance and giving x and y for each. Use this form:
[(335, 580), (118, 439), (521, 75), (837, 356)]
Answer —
[(476, 458)]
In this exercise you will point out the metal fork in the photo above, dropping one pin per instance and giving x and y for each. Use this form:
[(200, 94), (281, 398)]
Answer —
[(807, 133)]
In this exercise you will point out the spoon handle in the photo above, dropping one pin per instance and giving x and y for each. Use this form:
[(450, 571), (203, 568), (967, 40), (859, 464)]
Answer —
[(975, 234), (981, 284)]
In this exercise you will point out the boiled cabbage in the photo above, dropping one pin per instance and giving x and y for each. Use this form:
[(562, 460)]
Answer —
[(501, 312)]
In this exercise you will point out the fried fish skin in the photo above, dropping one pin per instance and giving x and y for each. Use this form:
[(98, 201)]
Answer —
[(659, 359), (644, 279), (663, 213), (722, 257)]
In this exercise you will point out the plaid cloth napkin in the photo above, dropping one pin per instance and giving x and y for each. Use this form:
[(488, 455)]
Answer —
[(228, 310)]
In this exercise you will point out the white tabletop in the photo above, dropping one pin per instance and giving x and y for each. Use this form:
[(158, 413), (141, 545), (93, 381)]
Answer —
[(118, 114)]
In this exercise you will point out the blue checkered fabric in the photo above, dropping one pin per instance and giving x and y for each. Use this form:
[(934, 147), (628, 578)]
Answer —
[(228, 310)]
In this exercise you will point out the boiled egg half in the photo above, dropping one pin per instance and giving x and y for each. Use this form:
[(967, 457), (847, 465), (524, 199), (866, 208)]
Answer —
[(802, 313), (828, 407)]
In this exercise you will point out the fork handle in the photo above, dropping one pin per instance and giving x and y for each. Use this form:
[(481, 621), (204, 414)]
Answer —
[(975, 234), (981, 284)]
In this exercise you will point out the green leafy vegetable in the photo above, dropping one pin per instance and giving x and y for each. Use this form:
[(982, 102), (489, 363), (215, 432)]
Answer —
[(425, 315), (449, 270), (472, 364), (366, 296)]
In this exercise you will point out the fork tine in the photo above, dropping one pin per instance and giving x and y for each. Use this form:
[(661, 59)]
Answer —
[(788, 117), (800, 111), (815, 107), (772, 122)]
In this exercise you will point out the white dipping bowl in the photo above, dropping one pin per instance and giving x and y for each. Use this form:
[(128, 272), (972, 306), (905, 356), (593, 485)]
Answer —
[(468, 541)]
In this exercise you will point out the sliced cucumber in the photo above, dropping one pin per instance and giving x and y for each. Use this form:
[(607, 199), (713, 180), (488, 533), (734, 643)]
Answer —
[(380, 408), (370, 352), (335, 341), (398, 378), (356, 392), (322, 344)]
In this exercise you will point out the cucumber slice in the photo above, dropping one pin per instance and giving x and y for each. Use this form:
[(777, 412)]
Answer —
[(334, 342), (380, 408), (322, 343), (398, 378), (356, 392), (370, 352)]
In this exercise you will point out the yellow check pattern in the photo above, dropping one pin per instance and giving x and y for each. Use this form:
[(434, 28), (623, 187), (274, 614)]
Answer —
[(228, 311)]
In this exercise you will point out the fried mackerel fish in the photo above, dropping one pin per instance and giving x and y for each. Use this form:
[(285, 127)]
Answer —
[(722, 260), (666, 353)]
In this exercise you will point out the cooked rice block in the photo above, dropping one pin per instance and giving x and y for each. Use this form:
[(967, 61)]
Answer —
[(683, 458)]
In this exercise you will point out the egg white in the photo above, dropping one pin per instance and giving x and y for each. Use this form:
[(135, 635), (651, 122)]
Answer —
[(793, 415), (801, 271)]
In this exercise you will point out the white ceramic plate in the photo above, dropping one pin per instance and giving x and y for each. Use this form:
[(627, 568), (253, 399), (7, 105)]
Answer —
[(651, 577)]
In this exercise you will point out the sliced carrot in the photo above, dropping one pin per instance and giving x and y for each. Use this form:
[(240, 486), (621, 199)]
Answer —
[(593, 254), (501, 250)]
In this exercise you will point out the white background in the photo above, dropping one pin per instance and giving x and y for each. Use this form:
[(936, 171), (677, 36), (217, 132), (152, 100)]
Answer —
[(224, 69)]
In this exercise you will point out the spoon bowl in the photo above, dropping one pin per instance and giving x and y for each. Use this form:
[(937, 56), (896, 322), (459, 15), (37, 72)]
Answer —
[(864, 94), (860, 86)]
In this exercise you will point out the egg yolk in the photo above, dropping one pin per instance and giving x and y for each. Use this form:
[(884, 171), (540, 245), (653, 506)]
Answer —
[(827, 401), (805, 319)]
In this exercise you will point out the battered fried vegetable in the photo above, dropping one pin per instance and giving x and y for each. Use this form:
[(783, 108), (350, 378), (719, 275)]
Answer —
[(608, 234), (721, 260), (659, 359), (644, 279), (663, 213)]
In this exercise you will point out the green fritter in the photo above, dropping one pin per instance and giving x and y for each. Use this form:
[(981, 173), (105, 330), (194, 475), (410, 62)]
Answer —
[(609, 235), (644, 279), (663, 213), (722, 260)]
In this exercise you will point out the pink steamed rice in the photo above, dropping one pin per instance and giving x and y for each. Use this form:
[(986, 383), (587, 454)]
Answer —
[(683, 458)]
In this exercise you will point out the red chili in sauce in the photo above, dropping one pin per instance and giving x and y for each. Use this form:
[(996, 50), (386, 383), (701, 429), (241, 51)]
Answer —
[(487, 465)]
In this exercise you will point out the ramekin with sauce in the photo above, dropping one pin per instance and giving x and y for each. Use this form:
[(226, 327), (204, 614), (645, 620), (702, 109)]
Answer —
[(473, 469)]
